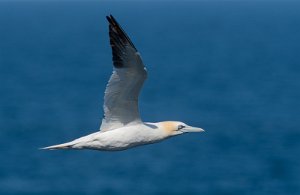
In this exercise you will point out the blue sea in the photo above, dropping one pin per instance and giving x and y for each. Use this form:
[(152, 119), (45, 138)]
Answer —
[(229, 67)]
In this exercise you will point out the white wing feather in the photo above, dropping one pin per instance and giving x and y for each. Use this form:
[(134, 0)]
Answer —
[(122, 91)]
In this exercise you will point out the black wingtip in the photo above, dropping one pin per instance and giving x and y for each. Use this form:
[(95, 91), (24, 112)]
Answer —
[(118, 29), (109, 18), (113, 19), (118, 41)]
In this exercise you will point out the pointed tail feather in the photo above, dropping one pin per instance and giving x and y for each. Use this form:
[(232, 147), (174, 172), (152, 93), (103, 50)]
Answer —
[(59, 146)]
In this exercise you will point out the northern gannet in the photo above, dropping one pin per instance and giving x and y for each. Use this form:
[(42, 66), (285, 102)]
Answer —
[(122, 127)]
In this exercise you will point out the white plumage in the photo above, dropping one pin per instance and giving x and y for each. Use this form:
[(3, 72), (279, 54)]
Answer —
[(122, 127)]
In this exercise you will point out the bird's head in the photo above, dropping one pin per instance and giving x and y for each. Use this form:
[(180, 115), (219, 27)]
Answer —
[(172, 128)]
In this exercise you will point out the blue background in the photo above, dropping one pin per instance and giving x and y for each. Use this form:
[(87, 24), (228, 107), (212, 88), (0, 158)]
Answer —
[(231, 68)]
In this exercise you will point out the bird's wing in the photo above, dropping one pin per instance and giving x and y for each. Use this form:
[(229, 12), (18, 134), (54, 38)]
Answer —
[(123, 88)]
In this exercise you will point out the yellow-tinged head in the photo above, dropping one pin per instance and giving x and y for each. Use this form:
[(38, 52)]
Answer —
[(172, 128)]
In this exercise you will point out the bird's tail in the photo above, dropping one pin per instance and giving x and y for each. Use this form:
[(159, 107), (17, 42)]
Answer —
[(67, 145)]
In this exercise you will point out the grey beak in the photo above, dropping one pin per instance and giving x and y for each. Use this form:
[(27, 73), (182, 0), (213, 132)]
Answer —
[(188, 129)]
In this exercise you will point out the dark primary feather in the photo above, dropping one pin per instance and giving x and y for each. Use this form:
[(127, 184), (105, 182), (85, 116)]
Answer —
[(118, 41)]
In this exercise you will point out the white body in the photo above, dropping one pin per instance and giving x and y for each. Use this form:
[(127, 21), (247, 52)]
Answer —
[(118, 139), (128, 136)]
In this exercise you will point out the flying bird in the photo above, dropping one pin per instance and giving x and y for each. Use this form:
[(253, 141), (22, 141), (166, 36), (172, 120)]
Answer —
[(122, 127)]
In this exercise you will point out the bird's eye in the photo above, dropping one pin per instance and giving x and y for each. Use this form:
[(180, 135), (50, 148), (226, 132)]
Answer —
[(180, 127)]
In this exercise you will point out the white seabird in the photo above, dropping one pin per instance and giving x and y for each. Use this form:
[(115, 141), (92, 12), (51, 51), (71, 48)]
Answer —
[(122, 127)]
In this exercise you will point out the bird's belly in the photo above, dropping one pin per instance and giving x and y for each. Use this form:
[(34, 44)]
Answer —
[(123, 143), (120, 140)]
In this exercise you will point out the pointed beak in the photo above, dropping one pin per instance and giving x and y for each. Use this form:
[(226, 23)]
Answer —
[(188, 129)]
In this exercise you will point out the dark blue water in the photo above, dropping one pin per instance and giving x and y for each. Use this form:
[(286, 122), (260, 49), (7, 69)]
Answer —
[(231, 68)]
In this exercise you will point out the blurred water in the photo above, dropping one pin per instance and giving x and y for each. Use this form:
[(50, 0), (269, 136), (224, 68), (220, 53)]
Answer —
[(231, 68)]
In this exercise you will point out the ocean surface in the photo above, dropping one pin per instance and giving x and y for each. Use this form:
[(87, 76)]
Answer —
[(232, 68)]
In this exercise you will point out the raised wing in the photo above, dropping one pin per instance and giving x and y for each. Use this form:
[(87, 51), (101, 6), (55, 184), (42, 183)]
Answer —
[(122, 91)]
